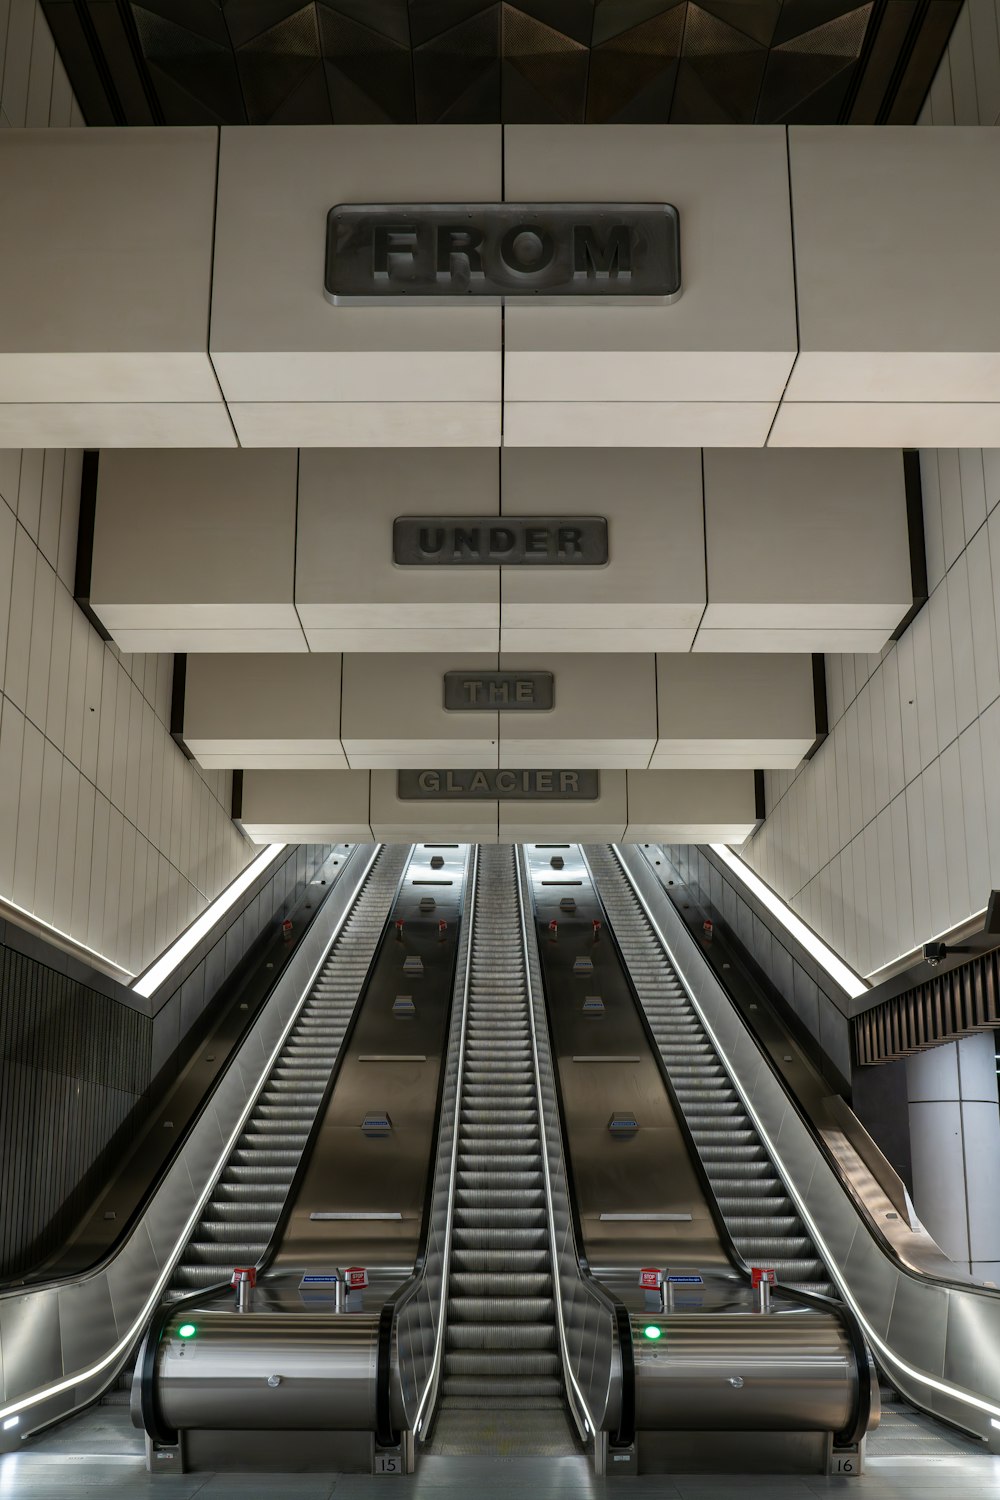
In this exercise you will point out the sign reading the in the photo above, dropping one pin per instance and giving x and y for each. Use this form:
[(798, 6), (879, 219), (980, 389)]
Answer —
[(493, 785), (519, 690), (479, 541), (501, 250)]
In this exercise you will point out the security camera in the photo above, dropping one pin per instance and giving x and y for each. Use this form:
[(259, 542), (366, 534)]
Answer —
[(934, 953)]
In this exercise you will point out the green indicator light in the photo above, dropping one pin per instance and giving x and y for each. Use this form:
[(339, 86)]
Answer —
[(186, 1331), (652, 1332)]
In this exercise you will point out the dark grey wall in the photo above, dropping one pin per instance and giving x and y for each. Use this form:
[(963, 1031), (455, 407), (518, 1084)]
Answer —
[(808, 991), (78, 1051), (817, 1002)]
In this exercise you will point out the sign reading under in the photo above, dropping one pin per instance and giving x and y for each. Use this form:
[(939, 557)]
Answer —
[(501, 250), (494, 785), (493, 690), (506, 541)]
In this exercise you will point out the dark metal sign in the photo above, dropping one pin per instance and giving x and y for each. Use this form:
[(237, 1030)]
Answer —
[(498, 250), (494, 785), (494, 690), (501, 541)]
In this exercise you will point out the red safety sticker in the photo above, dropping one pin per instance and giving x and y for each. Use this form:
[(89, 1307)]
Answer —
[(355, 1276), (651, 1278), (762, 1273)]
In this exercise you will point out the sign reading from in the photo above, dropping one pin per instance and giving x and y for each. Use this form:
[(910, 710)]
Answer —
[(501, 250), (493, 690), (494, 785), (506, 541)]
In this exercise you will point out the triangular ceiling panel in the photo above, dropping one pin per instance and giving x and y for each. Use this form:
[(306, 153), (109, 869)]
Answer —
[(743, 60), (308, 103), (275, 63), (390, 18), (377, 66), (553, 64), (624, 67), (246, 19), (756, 19), (431, 18), (203, 69), (572, 18), (447, 67)]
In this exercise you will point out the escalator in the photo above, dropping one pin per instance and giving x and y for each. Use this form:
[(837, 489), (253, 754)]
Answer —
[(328, 1172), (239, 1218), (748, 1190), (206, 1212), (501, 1346), (788, 1190)]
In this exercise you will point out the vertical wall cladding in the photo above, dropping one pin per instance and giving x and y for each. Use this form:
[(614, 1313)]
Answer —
[(106, 831), (891, 835), (34, 89), (966, 87), (73, 1063)]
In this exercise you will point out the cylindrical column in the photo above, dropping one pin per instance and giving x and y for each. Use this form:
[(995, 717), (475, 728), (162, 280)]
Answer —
[(955, 1146)]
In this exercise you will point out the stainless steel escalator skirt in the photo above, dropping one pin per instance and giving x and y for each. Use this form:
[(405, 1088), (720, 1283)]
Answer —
[(738, 1372), (269, 1371)]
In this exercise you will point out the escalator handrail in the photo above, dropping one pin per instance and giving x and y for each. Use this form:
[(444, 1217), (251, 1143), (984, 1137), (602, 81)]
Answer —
[(386, 1436), (625, 1433)]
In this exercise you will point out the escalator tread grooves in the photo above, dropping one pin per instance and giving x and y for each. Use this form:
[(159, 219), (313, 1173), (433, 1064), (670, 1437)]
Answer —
[(760, 1216), (501, 1341), (246, 1203)]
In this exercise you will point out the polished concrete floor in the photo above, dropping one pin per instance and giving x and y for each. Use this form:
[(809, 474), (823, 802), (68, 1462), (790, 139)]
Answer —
[(99, 1454)]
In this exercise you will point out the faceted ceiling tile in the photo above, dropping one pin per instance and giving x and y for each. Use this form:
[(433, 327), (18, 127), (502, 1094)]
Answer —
[(552, 64), (203, 69), (390, 18), (378, 68), (807, 62), (798, 16), (628, 64), (431, 18), (460, 71), (573, 18), (277, 62), (246, 19), (729, 64), (615, 17), (757, 19)]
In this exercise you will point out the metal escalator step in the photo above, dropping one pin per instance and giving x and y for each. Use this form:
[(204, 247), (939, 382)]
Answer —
[(500, 1259), (492, 1363), (488, 1387), (500, 1333), (527, 1307)]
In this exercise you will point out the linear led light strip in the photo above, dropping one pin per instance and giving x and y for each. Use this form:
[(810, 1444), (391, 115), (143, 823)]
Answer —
[(834, 966), (191, 936), (124, 1344), (874, 1338)]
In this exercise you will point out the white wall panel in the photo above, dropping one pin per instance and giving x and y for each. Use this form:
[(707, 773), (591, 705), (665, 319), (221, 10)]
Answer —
[(915, 732), (941, 679)]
